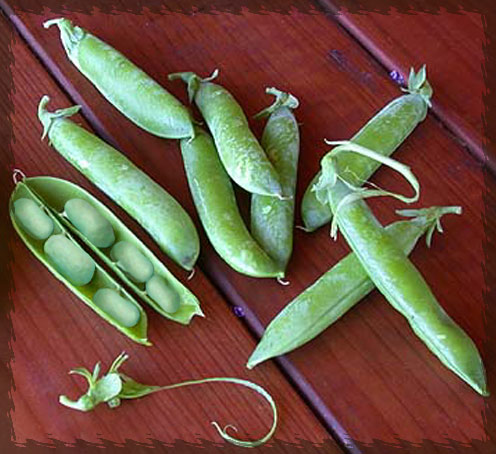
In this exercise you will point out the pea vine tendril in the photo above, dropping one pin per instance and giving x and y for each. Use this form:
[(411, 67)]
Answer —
[(115, 386), (331, 174)]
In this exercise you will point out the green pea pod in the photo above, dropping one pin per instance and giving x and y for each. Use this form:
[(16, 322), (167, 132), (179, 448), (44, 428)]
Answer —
[(394, 274), (337, 291), (272, 219), (142, 198), (384, 133), (215, 202), (127, 87), (242, 156), (55, 192), (100, 279)]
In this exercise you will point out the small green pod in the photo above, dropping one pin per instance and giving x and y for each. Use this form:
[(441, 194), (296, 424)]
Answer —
[(51, 194), (242, 156), (384, 133), (216, 204), (133, 92), (35, 222), (401, 283), (90, 222), (130, 259), (148, 203), (337, 291), (115, 306), (272, 219), (69, 260), (54, 193), (163, 294)]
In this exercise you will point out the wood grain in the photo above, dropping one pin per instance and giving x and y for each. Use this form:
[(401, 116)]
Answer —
[(369, 373), (54, 332), (450, 40)]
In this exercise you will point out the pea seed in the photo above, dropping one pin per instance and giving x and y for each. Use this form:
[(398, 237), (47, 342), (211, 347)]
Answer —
[(69, 260), (90, 222), (33, 220), (163, 294), (120, 309), (130, 259)]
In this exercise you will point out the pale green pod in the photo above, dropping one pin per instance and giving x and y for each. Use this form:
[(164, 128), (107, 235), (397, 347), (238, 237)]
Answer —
[(33, 219), (129, 259), (133, 92), (383, 133), (62, 227), (90, 222), (163, 294), (69, 260), (55, 192), (216, 204), (272, 219), (142, 198), (120, 309)]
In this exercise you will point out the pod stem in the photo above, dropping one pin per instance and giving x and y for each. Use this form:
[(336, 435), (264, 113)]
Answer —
[(430, 218), (193, 81), (331, 174), (115, 386), (418, 84), (47, 118), (70, 35), (283, 99)]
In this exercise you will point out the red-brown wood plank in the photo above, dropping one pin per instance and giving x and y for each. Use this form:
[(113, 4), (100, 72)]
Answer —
[(54, 332), (450, 39), (368, 371)]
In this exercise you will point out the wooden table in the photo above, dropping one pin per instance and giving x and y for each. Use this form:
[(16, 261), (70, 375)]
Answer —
[(365, 385)]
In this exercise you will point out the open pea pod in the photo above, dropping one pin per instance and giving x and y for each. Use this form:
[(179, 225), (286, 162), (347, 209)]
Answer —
[(56, 192), (98, 277)]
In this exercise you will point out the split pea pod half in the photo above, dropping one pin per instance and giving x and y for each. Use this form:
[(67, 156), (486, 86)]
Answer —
[(141, 197), (127, 256), (338, 290), (242, 156), (70, 264), (127, 87), (215, 202), (272, 219), (392, 272), (384, 133)]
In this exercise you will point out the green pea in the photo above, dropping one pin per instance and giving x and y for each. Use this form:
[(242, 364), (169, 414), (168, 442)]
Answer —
[(69, 260), (148, 203), (241, 154), (163, 294), (34, 221), (215, 202), (130, 259), (384, 133), (272, 219), (90, 222), (127, 87), (120, 309)]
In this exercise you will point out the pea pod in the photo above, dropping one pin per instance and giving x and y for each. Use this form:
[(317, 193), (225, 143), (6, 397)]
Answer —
[(215, 202), (100, 279), (55, 193), (141, 197), (395, 276), (337, 291), (243, 157), (127, 87), (384, 133), (272, 219)]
